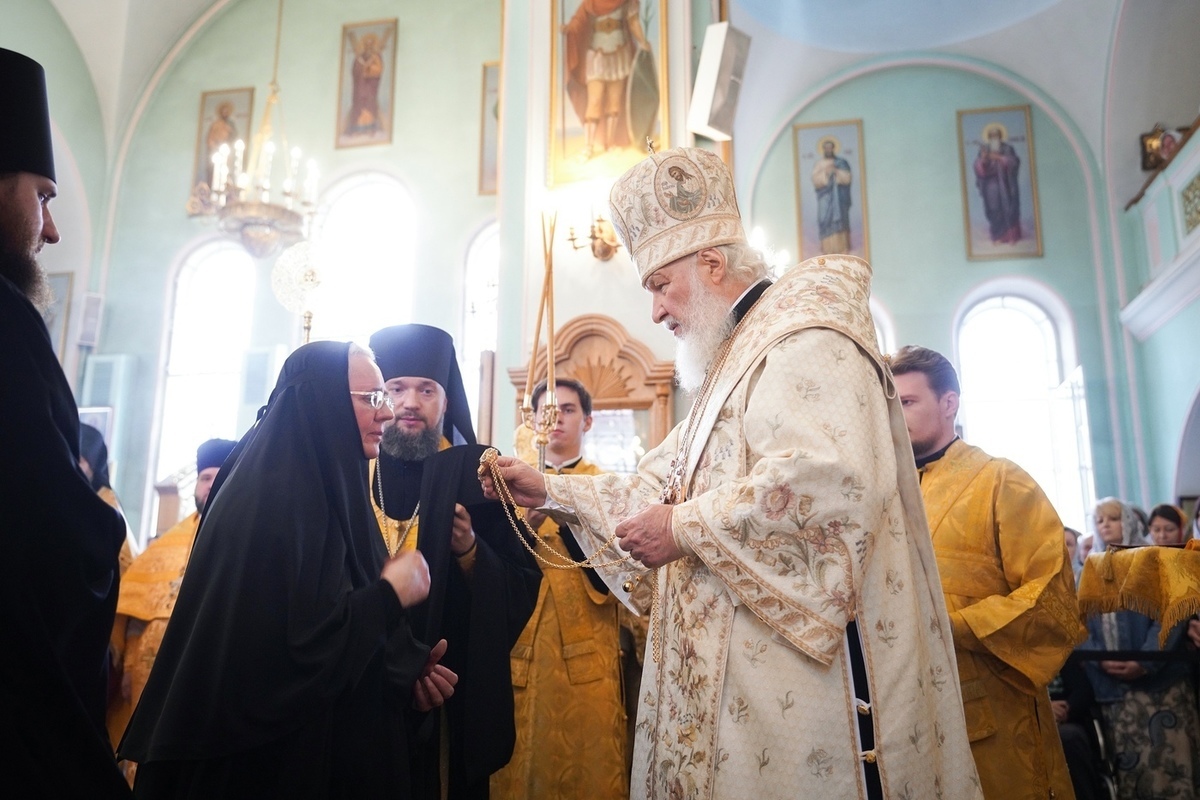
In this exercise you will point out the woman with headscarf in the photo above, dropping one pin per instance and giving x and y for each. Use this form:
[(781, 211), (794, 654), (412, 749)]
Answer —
[(1148, 707), (288, 657), (1168, 525)]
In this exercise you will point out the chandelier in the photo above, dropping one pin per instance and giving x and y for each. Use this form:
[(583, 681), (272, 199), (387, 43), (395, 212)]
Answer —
[(249, 204)]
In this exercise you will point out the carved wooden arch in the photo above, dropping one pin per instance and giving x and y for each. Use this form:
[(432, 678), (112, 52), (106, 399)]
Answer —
[(619, 371)]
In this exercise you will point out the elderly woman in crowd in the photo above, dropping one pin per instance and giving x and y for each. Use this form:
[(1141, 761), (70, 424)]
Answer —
[(288, 656), (1149, 707)]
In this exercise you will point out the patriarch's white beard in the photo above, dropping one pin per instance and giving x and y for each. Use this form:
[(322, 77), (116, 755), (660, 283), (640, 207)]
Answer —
[(708, 324)]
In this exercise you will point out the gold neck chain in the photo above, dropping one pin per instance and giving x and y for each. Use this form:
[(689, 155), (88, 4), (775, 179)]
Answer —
[(393, 538), (672, 491), (563, 561)]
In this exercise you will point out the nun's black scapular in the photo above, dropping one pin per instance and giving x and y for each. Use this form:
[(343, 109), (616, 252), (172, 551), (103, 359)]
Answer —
[(288, 661)]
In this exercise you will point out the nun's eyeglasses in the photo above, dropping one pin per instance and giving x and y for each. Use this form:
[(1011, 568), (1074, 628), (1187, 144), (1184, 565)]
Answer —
[(377, 399)]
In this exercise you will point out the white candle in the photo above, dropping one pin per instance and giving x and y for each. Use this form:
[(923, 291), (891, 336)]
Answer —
[(293, 167), (311, 178), (239, 152), (268, 154)]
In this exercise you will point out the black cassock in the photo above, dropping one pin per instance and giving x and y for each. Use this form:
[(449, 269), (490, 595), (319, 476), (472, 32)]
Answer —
[(480, 617), (288, 664), (58, 576)]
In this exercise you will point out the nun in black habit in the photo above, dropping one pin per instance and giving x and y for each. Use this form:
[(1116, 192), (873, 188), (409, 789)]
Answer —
[(480, 609), (58, 573), (288, 662)]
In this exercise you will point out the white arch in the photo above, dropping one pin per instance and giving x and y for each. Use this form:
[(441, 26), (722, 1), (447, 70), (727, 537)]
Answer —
[(1030, 405), (1036, 292), (1186, 481), (366, 268), (183, 257), (472, 340)]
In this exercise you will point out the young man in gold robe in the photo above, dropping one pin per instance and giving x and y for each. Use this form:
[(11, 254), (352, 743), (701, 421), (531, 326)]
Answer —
[(148, 591), (1008, 584), (566, 667), (799, 645)]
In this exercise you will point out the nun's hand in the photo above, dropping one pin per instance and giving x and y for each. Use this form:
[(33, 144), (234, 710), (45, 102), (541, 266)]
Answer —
[(408, 573), (437, 682)]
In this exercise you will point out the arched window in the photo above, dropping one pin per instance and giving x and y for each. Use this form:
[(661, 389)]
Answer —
[(209, 339), (1022, 394), (364, 239), (480, 308)]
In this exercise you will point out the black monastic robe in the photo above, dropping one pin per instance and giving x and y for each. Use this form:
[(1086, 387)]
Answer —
[(480, 617), (287, 667), (58, 576)]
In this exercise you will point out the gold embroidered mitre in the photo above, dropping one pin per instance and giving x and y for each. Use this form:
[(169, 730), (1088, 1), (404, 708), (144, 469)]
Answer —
[(673, 204)]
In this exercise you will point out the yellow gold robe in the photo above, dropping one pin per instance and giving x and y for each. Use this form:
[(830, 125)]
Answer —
[(1011, 596), (566, 672), (148, 591)]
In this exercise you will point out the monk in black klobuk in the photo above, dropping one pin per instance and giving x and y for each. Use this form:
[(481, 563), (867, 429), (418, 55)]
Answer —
[(484, 584), (58, 576)]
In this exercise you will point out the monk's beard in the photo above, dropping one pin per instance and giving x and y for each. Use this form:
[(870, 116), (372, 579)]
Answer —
[(995, 145), (411, 446), (708, 325), (28, 276)]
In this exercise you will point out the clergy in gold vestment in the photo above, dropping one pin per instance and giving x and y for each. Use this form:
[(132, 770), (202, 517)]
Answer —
[(800, 646), (1008, 583), (148, 591), (566, 667)]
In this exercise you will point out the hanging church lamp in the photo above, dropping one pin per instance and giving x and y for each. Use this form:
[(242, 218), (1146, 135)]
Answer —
[(258, 193)]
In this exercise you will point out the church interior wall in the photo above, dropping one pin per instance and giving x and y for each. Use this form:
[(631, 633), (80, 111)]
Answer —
[(1153, 68), (583, 285), (1167, 362), (915, 219), (434, 153), (1108, 69)]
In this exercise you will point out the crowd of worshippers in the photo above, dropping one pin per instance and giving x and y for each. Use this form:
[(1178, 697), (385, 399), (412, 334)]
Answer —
[(1130, 727), (829, 592)]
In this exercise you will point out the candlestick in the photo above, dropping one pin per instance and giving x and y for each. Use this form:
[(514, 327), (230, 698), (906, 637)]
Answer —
[(548, 243)]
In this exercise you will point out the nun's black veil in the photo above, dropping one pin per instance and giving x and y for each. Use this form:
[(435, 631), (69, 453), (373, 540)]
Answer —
[(275, 669)]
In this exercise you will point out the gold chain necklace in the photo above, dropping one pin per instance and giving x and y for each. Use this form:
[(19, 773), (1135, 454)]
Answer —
[(673, 491), (672, 494), (388, 522), (488, 461)]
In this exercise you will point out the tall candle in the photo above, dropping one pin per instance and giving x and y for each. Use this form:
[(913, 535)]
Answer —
[(239, 152), (551, 386)]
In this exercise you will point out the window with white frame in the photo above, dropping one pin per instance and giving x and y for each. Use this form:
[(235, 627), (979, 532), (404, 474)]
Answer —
[(210, 330), (480, 308), (364, 240), (1023, 396)]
